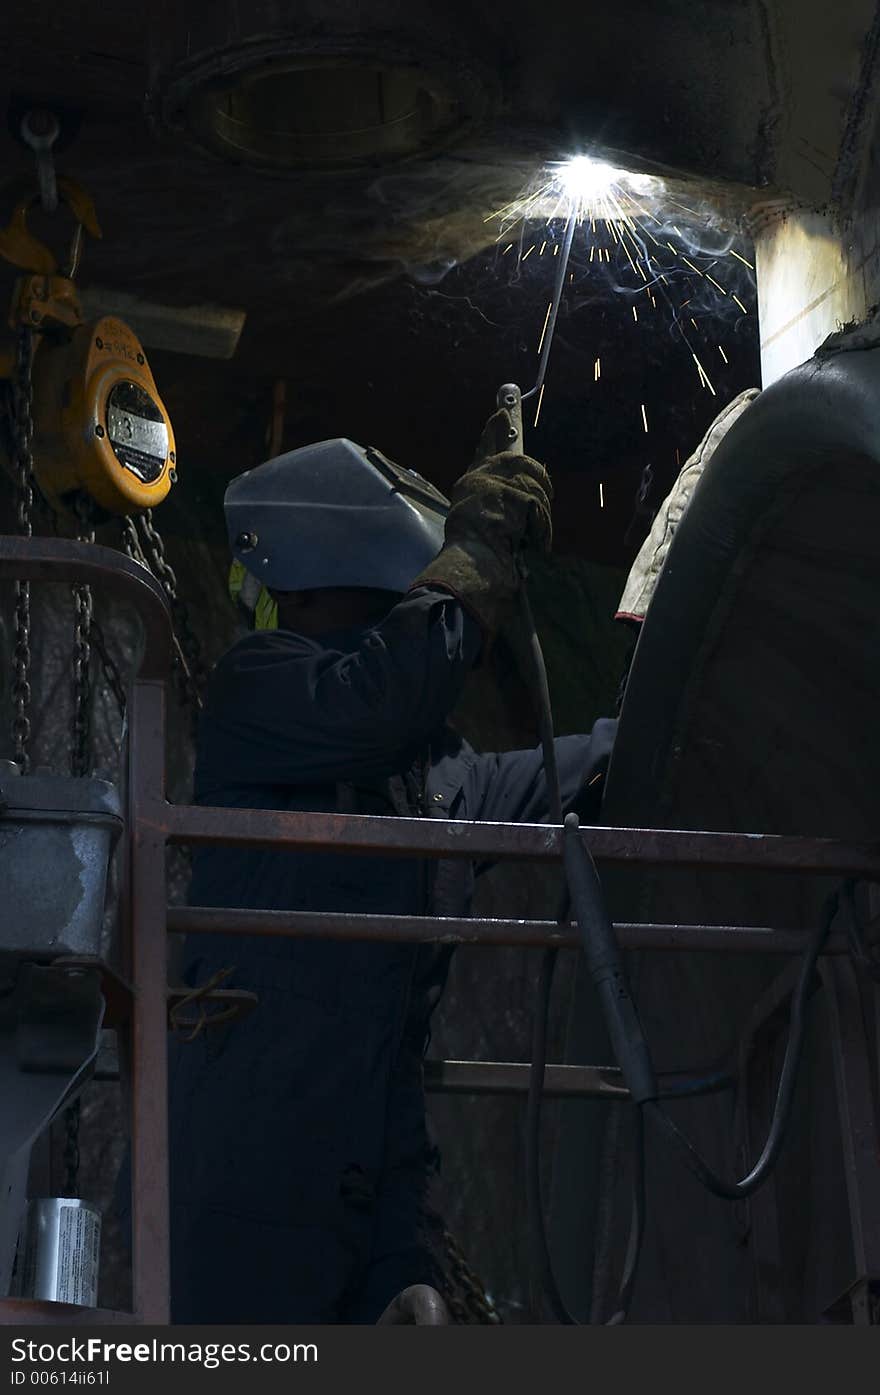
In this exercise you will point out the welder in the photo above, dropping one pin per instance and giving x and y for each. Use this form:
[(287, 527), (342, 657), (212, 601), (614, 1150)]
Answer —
[(301, 1161)]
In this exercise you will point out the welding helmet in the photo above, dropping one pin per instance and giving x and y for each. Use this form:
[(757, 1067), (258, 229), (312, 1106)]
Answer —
[(333, 514)]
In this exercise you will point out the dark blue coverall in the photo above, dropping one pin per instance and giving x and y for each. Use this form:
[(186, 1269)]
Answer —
[(299, 1151)]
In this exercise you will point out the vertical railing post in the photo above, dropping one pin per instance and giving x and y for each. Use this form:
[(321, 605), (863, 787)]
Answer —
[(149, 1086)]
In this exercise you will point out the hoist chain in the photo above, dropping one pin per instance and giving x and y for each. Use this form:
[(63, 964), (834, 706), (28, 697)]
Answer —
[(193, 663), (189, 666), (466, 1297), (81, 749), (22, 427), (109, 667)]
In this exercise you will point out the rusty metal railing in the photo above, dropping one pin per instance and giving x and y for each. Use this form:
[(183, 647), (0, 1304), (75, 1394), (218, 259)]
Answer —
[(152, 823)]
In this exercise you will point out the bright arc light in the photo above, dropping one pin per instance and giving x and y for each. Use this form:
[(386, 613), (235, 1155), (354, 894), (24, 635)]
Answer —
[(583, 179)]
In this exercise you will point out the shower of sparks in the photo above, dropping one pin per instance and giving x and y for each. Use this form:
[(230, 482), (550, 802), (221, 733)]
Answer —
[(621, 229)]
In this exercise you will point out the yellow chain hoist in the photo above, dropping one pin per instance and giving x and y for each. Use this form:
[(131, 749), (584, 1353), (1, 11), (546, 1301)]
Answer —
[(100, 428)]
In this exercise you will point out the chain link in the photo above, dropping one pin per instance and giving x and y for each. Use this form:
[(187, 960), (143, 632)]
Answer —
[(191, 658), (468, 1301), (109, 667), (189, 668), (23, 428), (81, 748)]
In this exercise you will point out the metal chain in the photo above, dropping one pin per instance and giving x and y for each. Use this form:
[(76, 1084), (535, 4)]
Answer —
[(81, 749), (191, 658), (23, 428), (109, 666), (71, 1148), (468, 1300)]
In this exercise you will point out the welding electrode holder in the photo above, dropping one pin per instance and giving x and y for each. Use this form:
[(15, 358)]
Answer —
[(510, 399), (605, 966)]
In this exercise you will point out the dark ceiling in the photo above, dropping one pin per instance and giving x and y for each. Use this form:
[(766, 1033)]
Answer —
[(377, 293)]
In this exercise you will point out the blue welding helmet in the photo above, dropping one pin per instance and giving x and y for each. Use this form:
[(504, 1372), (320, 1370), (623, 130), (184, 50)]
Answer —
[(334, 514)]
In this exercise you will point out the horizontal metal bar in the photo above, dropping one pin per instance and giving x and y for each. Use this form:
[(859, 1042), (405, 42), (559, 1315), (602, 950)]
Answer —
[(190, 823), (512, 1078), (560, 1082), (505, 1078), (731, 939), (60, 559)]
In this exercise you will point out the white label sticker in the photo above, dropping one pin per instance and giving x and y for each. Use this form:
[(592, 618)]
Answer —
[(79, 1247)]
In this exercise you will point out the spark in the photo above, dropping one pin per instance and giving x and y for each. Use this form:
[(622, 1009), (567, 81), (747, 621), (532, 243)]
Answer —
[(593, 198), (601, 495), (704, 377), (544, 330)]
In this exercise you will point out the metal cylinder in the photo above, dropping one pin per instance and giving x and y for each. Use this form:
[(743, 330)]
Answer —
[(59, 1252)]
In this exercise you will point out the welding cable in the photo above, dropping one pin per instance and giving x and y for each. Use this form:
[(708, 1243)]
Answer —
[(543, 1277), (637, 1224), (736, 1191), (542, 1265), (855, 934)]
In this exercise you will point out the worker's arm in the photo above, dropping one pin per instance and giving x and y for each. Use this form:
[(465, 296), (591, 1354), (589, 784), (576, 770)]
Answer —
[(513, 787), (285, 709)]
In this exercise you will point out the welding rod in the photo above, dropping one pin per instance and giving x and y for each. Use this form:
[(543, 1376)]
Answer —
[(509, 396)]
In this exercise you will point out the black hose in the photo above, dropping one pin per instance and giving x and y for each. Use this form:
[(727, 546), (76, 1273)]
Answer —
[(543, 1278), (542, 1264), (637, 1224), (736, 1191)]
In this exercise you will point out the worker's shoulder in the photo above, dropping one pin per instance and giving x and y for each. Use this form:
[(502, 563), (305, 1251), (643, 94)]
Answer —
[(255, 661), (262, 648)]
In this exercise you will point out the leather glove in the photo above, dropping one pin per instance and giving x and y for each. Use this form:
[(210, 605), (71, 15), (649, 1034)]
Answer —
[(500, 506)]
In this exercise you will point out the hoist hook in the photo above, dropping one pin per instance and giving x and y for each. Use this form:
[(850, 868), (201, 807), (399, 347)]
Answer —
[(18, 244)]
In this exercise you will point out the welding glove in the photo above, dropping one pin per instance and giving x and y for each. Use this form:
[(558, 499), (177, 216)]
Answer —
[(500, 507)]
